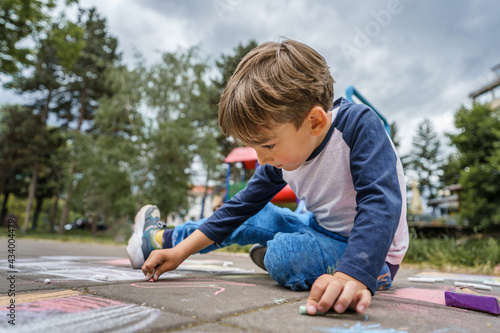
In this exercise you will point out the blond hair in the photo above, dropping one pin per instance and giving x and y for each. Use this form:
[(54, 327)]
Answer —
[(276, 83)]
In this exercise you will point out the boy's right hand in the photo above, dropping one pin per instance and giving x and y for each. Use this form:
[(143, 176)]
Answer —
[(161, 261), (339, 291)]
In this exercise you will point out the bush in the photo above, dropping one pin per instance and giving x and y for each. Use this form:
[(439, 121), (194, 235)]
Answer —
[(481, 253)]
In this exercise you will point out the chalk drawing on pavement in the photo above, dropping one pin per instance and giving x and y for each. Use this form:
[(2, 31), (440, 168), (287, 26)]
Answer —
[(117, 262), (461, 277), (194, 265), (211, 266), (108, 269), (359, 328), (435, 296), (73, 268), (192, 283), (69, 310)]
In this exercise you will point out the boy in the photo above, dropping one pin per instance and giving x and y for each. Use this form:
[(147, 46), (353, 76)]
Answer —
[(335, 155)]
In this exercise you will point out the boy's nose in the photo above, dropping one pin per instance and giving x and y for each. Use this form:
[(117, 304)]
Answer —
[(263, 158)]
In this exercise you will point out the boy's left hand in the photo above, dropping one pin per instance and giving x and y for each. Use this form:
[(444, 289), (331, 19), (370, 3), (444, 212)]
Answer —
[(339, 291)]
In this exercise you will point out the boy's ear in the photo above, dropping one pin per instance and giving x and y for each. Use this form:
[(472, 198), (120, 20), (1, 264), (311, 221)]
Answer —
[(318, 120)]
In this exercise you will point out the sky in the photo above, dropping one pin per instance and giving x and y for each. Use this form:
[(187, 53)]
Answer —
[(411, 59)]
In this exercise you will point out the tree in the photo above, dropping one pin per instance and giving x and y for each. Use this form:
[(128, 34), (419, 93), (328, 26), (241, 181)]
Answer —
[(395, 134), (19, 129), (108, 154), (51, 162), (18, 20), (87, 85), (53, 61), (21, 20), (424, 158), (176, 93), (478, 146), (451, 170)]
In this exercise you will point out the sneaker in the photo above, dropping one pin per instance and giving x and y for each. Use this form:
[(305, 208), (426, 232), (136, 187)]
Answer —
[(143, 242), (257, 253)]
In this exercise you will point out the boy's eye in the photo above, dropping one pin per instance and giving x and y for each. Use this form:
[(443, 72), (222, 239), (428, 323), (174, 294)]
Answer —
[(269, 146)]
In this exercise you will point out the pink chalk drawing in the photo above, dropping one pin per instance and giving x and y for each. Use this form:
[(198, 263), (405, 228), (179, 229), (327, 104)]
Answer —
[(192, 283), (435, 296), (73, 268), (67, 314), (118, 262), (211, 266), (194, 265), (72, 304)]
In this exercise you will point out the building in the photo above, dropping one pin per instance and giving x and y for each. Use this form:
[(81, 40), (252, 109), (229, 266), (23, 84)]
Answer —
[(200, 199), (493, 88)]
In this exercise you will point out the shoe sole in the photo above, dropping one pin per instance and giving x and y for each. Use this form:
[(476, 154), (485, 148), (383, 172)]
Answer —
[(257, 254), (134, 247)]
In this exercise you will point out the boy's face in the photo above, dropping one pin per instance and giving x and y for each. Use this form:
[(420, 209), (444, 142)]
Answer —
[(288, 147)]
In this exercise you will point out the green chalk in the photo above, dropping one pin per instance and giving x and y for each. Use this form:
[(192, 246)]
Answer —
[(303, 311)]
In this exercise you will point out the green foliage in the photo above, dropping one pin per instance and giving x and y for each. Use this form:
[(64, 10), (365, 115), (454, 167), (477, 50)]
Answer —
[(235, 248), (67, 39), (476, 252), (86, 84), (22, 20), (55, 56), (478, 160), (451, 170), (19, 129), (479, 133), (106, 158), (45, 82), (18, 20), (176, 90), (395, 134), (424, 158)]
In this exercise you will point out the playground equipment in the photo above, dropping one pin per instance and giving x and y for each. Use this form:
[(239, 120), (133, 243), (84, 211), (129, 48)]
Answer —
[(248, 157), (351, 91)]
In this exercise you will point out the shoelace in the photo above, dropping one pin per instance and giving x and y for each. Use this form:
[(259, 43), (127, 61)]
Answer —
[(161, 225)]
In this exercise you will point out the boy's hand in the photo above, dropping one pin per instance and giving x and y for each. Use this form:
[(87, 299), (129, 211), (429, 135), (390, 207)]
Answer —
[(161, 261), (339, 291)]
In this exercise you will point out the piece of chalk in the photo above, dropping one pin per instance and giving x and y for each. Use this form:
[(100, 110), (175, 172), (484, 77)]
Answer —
[(150, 277), (101, 277), (467, 299), (303, 311), (474, 285), (424, 279), (491, 283)]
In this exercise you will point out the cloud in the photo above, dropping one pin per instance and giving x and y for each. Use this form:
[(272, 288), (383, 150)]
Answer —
[(422, 61)]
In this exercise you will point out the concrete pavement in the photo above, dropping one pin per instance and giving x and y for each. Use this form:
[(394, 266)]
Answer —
[(71, 287)]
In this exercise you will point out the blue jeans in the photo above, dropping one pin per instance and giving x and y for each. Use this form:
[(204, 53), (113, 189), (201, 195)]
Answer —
[(299, 250)]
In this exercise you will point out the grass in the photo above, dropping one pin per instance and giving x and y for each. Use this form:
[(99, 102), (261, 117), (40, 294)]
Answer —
[(77, 236), (235, 248), (471, 254)]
